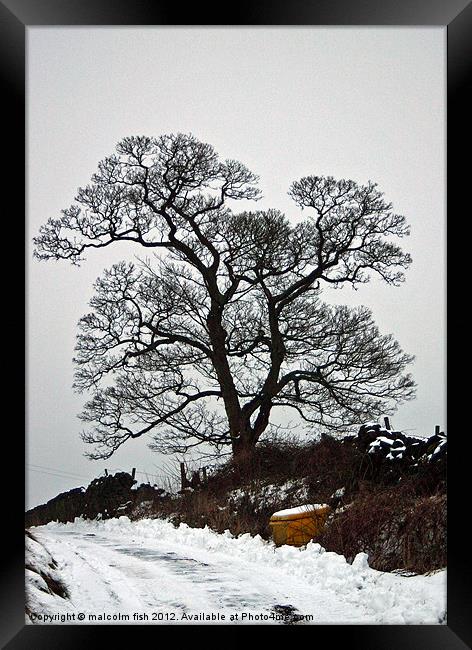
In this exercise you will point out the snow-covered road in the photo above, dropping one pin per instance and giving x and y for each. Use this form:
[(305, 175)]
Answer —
[(151, 572)]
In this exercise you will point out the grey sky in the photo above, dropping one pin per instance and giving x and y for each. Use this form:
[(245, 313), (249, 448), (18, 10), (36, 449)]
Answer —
[(360, 103)]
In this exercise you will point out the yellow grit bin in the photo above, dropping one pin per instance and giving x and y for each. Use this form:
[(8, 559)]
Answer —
[(297, 526)]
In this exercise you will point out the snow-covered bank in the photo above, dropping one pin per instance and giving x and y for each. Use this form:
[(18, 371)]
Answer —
[(149, 566)]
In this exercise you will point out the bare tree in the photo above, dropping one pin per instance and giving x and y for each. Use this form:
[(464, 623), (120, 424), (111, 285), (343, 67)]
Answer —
[(224, 323)]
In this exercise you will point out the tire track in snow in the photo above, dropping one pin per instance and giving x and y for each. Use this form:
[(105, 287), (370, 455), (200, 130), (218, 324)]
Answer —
[(104, 574), (153, 566)]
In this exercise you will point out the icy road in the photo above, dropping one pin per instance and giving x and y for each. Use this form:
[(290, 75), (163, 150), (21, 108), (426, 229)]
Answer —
[(148, 571)]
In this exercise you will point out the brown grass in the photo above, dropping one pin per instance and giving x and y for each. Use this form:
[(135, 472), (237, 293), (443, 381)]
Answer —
[(395, 530)]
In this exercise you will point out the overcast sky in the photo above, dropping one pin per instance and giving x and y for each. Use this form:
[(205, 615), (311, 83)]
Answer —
[(360, 103)]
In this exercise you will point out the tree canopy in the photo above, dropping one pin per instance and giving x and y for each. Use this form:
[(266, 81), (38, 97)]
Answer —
[(224, 323)]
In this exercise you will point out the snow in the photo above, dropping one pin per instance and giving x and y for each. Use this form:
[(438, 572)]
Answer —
[(387, 441), (396, 446), (117, 568), (263, 495), (439, 447), (40, 569), (299, 510)]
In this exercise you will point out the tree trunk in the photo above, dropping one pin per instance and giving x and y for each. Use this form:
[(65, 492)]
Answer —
[(244, 444), (243, 451), (243, 436)]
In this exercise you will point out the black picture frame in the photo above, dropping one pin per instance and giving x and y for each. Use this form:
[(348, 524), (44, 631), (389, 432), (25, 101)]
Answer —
[(15, 17)]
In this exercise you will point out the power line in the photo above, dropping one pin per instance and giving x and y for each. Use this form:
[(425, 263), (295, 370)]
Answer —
[(39, 468), (43, 471), (60, 473), (56, 469)]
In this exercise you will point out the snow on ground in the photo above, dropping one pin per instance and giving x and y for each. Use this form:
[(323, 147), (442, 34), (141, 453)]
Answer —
[(153, 572)]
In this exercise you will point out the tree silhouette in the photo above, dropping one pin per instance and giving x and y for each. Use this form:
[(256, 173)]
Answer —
[(224, 323)]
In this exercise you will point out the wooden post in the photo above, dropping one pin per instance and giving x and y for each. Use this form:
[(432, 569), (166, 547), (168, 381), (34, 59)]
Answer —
[(204, 473), (436, 430), (387, 423), (133, 473), (106, 472), (183, 478)]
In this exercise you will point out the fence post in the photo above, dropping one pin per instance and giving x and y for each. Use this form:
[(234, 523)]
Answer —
[(436, 430), (183, 477), (133, 473), (106, 472), (387, 423)]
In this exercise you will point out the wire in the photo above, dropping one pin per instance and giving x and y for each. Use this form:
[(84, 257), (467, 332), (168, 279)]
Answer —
[(56, 470), (147, 474), (42, 471)]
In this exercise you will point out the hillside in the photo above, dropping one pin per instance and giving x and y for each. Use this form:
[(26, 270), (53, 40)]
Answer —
[(387, 492)]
